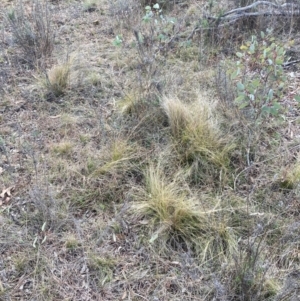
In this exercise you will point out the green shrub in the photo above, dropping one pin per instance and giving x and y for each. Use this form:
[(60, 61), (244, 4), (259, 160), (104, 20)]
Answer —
[(259, 77)]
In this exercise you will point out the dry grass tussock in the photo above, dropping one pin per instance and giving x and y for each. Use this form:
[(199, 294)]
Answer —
[(196, 125), (58, 78), (195, 221), (197, 134), (128, 170), (68, 74)]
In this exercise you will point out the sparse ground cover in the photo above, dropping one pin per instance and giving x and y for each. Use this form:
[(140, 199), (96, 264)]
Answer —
[(146, 154)]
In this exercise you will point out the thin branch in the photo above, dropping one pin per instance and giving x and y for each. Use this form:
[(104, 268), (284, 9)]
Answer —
[(287, 9), (242, 9)]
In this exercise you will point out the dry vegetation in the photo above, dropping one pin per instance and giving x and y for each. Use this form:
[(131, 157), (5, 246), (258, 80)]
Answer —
[(129, 170)]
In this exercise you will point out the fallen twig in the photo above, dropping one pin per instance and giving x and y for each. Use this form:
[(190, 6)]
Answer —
[(287, 9)]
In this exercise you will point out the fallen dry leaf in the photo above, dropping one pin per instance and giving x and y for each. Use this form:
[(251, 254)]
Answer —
[(5, 195), (6, 192)]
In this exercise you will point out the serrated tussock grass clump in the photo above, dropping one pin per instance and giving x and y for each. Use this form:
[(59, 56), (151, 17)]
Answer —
[(71, 242), (170, 207), (63, 148), (104, 176), (200, 222), (291, 176), (116, 156), (58, 78), (100, 176), (101, 266), (68, 75), (128, 103), (197, 134)]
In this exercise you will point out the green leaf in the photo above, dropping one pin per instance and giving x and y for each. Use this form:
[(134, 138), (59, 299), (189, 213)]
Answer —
[(280, 51), (118, 41), (274, 110), (235, 73), (240, 86), (162, 37), (277, 106), (240, 98), (243, 105), (297, 98), (262, 34), (239, 54), (255, 83), (281, 85), (156, 6), (147, 18), (153, 237), (265, 53), (270, 94), (270, 62), (252, 48)]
